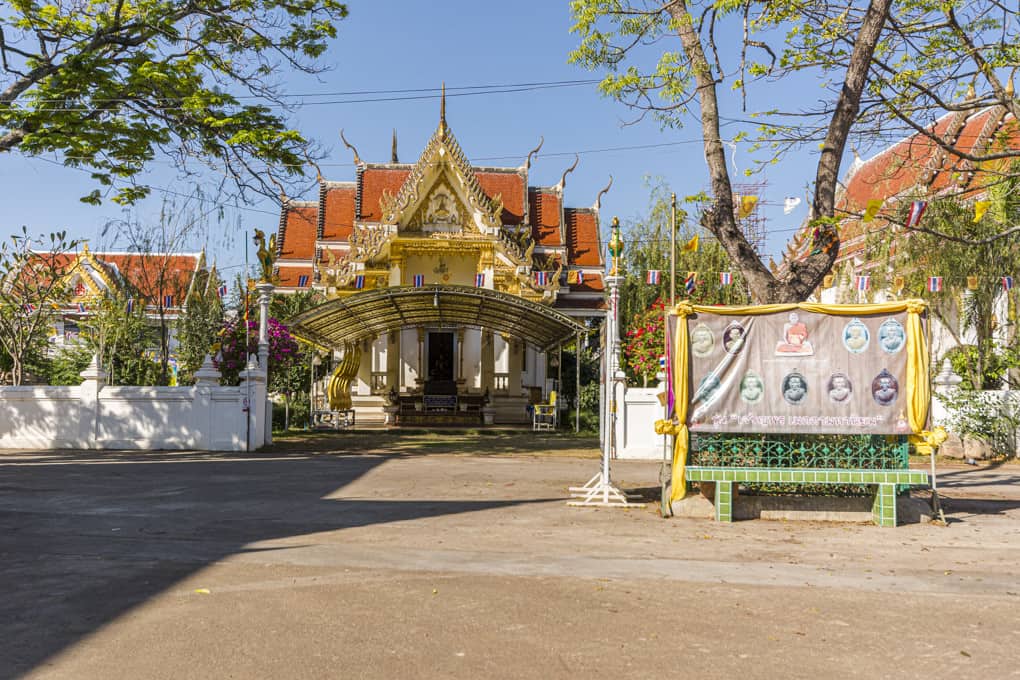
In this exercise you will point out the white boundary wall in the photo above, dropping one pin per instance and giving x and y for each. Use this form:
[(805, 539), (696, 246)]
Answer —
[(635, 430), (92, 415)]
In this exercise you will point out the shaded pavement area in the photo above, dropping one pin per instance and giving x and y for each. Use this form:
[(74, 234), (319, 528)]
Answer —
[(455, 556)]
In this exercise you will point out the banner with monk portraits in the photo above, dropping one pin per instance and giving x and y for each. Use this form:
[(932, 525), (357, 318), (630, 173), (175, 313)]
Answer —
[(787, 369)]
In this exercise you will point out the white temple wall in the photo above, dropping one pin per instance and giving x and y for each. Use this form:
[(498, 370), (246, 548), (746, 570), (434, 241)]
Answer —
[(473, 359), (502, 353), (408, 359)]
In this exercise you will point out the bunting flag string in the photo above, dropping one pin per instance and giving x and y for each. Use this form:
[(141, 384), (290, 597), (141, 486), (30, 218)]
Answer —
[(168, 301), (131, 305), (1007, 283), (691, 246), (541, 278), (691, 282), (81, 308), (480, 280), (898, 284), (725, 278), (934, 284), (29, 307), (419, 280), (359, 281), (302, 282), (652, 277), (917, 209), (863, 282), (972, 283), (575, 277), (828, 281)]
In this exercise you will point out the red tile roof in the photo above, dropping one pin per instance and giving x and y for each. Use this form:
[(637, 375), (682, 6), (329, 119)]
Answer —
[(288, 275), (592, 284), (509, 185), (372, 182), (545, 217), (583, 237), (338, 213), (298, 238), (150, 275)]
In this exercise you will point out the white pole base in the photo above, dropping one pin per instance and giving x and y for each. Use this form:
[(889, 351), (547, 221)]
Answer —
[(599, 492)]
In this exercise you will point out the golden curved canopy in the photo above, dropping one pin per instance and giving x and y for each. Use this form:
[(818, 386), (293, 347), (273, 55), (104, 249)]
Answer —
[(373, 312)]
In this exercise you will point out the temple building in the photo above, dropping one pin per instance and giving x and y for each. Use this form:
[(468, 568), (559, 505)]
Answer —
[(448, 286)]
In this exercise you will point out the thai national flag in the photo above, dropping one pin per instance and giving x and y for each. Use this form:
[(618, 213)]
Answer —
[(863, 282), (1007, 282), (691, 282), (480, 280), (302, 282), (725, 278), (130, 305), (917, 209), (541, 278), (652, 277), (580, 277), (81, 308), (419, 280), (359, 281), (29, 308), (168, 301), (934, 284)]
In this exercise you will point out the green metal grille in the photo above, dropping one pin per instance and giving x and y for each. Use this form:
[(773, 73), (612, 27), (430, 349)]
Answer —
[(777, 451)]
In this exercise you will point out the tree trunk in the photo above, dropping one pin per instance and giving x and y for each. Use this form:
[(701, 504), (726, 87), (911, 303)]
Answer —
[(720, 219)]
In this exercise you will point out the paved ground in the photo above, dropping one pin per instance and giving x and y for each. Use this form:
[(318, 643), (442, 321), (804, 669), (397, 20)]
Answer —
[(402, 560)]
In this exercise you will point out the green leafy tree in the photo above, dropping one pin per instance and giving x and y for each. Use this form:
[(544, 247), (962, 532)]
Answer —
[(120, 337), (294, 378), (108, 85), (199, 324), (31, 286), (876, 69)]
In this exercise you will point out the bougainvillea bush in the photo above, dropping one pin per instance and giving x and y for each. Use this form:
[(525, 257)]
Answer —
[(645, 343), (232, 355)]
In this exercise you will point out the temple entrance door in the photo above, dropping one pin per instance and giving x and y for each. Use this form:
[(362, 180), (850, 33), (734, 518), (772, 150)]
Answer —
[(440, 364)]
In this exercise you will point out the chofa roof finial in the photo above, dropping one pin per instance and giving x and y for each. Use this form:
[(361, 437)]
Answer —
[(563, 178), (598, 199), (533, 152), (357, 158)]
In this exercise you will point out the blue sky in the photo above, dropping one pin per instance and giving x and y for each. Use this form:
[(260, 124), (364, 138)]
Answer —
[(398, 45)]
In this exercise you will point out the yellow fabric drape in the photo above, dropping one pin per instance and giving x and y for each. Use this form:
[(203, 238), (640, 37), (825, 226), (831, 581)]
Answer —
[(918, 388)]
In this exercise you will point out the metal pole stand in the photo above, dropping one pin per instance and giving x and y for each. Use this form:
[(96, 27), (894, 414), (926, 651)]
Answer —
[(599, 490)]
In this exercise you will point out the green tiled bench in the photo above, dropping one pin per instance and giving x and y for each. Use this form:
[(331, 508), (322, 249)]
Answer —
[(883, 511)]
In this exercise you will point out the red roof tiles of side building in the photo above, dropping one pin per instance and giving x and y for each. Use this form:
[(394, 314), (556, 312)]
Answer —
[(338, 213), (545, 217), (149, 275), (299, 233), (583, 238), (373, 182), (290, 276), (509, 186), (591, 284), (587, 303)]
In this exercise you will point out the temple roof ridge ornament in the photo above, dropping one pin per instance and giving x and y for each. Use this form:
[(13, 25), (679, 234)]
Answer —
[(357, 158), (533, 152), (563, 178), (442, 148), (598, 199)]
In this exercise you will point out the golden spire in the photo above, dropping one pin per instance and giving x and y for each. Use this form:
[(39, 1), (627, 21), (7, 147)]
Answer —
[(442, 111)]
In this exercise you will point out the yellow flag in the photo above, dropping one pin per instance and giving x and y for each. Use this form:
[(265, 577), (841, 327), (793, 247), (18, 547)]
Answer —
[(691, 246), (972, 283), (980, 208), (874, 205), (898, 284), (747, 204), (828, 280), (572, 277)]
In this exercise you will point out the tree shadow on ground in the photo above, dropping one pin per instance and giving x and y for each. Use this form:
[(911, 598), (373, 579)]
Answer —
[(480, 442), (86, 537)]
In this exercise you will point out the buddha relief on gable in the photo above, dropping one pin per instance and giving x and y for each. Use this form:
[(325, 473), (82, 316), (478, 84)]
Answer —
[(441, 211)]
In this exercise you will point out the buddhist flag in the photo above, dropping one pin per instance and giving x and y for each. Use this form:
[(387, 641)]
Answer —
[(480, 280), (575, 276), (789, 204), (691, 281), (980, 208), (898, 284), (917, 209), (874, 205), (130, 305), (302, 282), (934, 284), (1007, 283), (419, 280), (828, 281), (863, 282), (747, 205), (653, 276), (972, 283), (691, 246), (725, 278)]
